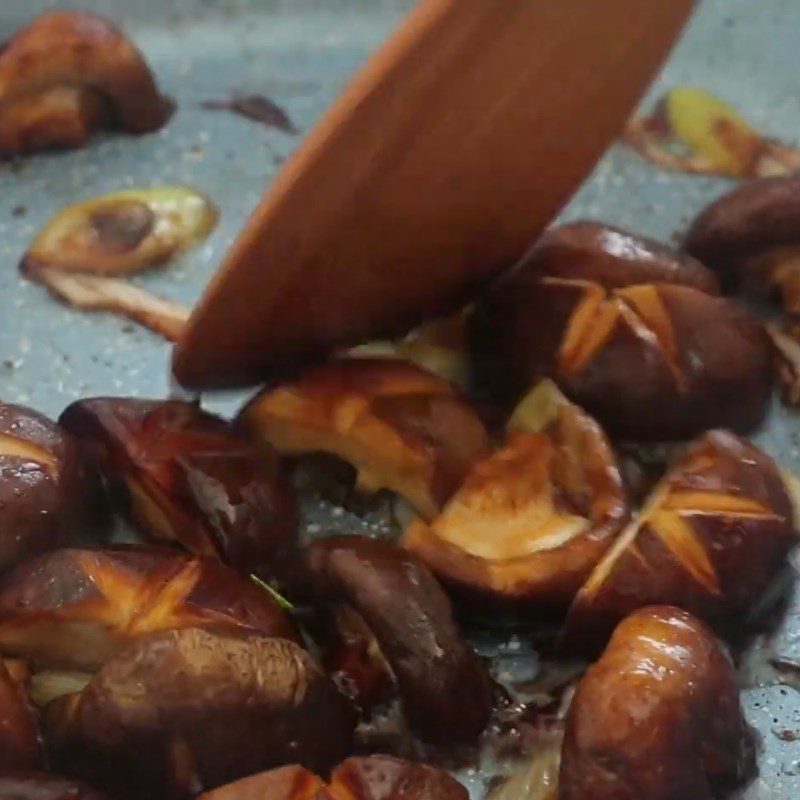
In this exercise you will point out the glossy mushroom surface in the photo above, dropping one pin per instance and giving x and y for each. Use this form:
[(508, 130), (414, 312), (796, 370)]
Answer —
[(533, 518), (400, 427), (74, 609), (406, 610), (712, 538), (199, 710), (48, 497), (650, 361), (189, 477), (657, 717), (614, 258)]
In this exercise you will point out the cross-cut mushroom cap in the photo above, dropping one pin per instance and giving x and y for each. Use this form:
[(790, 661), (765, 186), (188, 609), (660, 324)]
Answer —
[(371, 778), (649, 361), (75, 609), (712, 538), (401, 427), (78, 53), (530, 520), (657, 717), (183, 711)]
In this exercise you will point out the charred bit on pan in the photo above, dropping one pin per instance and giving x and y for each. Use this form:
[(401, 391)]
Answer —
[(258, 108)]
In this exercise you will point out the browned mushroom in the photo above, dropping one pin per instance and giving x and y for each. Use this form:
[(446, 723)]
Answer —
[(385, 778), (614, 258), (285, 783), (657, 717), (371, 778), (67, 73), (401, 427), (711, 538), (190, 478), (48, 497), (408, 613), (179, 712), (75, 609), (751, 236), (531, 520), (650, 361)]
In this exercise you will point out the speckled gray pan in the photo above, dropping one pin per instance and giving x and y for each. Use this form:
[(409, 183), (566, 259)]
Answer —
[(300, 52)]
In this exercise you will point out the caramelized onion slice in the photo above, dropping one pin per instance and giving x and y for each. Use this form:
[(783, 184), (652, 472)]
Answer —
[(124, 232), (99, 293), (692, 130), (84, 245)]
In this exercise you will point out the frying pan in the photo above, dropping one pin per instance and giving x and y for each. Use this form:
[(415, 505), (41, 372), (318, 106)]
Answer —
[(300, 53)]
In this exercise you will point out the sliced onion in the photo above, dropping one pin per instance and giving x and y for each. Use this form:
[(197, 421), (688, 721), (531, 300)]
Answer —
[(82, 252), (692, 130), (99, 293)]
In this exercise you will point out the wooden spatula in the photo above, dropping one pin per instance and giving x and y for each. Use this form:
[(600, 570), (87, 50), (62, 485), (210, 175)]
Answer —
[(434, 171)]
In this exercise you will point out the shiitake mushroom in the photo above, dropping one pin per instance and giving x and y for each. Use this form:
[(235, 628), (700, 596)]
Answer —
[(372, 778), (650, 361), (48, 496), (712, 538), (531, 519), (180, 712), (284, 783), (614, 258), (67, 74), (403, 606), (751, 237), (657, 717), (401, 427), (73, 609), (385, 778), (189, 477)]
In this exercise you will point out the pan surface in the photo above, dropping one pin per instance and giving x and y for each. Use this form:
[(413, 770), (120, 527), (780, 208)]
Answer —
[(300, 53)]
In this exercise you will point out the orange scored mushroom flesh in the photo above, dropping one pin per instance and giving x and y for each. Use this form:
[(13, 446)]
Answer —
[(639, 308)]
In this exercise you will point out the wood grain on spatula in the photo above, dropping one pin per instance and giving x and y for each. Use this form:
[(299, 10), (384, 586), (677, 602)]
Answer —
[(437, 167)]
